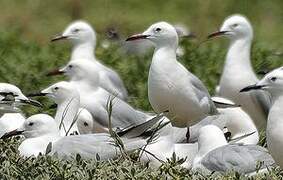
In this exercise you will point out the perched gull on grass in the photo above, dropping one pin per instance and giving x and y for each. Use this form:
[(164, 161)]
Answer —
[(83, 38), (215, 154), (70, 118), (171, 87), (238, 72), (42, 136), (272, 83), (94, 98)]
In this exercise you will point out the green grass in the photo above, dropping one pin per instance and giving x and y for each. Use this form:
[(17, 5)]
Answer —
[(26, 56)]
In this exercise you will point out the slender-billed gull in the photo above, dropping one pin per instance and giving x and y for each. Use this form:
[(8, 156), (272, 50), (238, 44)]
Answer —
[(171, 87), (238, 72), (214, 154), (83, 38), (272, 83), (94, 98), (69, 116)]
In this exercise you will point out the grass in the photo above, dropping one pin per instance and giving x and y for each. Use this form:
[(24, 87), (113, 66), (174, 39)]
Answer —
[(26, 56)]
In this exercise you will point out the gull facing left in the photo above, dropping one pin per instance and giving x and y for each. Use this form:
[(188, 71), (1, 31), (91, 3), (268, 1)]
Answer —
[(171, 87), (83, 39)]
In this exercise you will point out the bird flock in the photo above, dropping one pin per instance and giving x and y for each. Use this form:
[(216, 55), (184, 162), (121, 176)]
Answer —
[(93, 117)]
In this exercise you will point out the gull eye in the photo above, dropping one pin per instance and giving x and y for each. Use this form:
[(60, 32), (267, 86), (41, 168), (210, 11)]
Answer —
[(56, 88), (70, 66), (76, 30), (235, 25), (273, 79), (158, 29), (30, 124), (85, 124)]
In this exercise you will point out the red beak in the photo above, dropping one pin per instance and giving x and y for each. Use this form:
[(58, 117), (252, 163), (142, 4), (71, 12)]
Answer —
[(55, 72), (57, 38), (216, 34), (137, 37)]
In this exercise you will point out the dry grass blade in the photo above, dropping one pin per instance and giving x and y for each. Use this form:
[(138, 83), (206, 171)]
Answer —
[(154, 135), (73, 122), (64, 116), (116, 139)]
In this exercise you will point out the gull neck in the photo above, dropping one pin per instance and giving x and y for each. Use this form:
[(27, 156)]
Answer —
[(165, 53), (239, 52), (68, 111), (83, 51)]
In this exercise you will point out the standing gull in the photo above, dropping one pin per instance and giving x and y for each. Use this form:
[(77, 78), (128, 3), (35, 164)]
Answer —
[(273, 83), (171, 87), (238, 72), (83, 38)]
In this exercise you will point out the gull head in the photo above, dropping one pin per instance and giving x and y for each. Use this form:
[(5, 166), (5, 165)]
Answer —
[(81, 70), (78, 32), (161, 34), (60, 92), (35, 126), (11, 94), (271, 82), (235, 27)]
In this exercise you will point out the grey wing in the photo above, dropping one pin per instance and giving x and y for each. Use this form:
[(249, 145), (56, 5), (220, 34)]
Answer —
[(263, 100), (91, 145), (116, 82), (203, 95), (88, 146), (125, 115), (243, 159)]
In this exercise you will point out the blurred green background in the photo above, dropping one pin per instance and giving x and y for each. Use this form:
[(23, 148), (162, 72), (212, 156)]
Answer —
[(39, 19)]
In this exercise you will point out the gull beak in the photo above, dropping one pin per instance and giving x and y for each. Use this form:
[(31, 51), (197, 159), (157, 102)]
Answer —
[(217, 34), (137, 37), (31, 102), (55, 72), (252, 87), (12, 133), (59, 37)]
